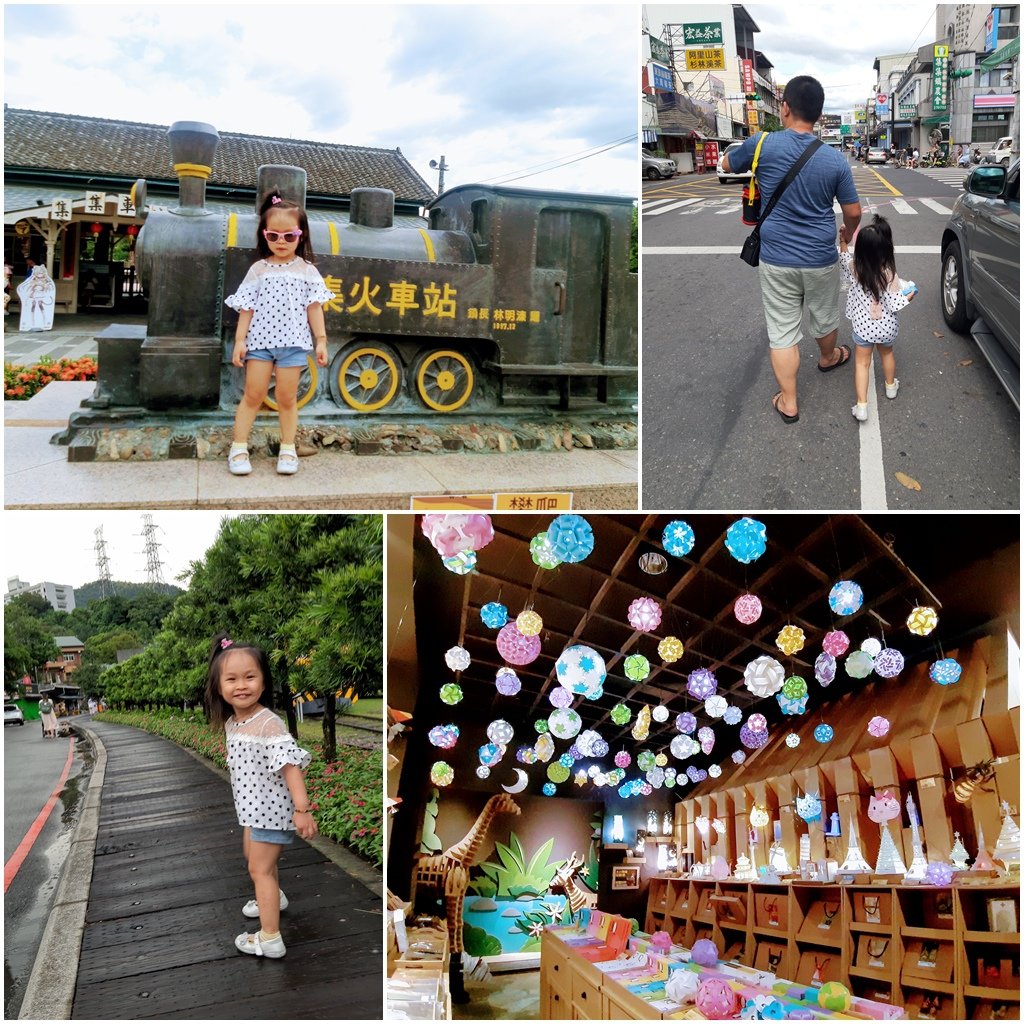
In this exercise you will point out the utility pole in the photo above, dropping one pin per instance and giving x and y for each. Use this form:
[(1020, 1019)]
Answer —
[(154, 567), (103, 564), (440, 168)]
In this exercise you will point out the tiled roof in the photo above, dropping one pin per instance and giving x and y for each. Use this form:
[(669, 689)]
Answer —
[(35, 140), (67, 641)]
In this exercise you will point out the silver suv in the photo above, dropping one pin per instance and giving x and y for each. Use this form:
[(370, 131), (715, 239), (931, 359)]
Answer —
[(655, 167), (980, 278)]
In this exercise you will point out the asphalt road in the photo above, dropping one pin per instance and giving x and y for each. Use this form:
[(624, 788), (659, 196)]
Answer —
[(32, 768), (710, 437)]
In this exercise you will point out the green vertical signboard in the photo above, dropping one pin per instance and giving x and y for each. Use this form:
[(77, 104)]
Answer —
[(939, 78), (660, 50)]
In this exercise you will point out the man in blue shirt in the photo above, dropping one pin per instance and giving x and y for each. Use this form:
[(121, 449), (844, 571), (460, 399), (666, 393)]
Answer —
[(799, 268)]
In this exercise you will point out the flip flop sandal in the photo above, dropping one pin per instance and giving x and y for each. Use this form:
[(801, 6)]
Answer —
[(784, 415), (842, 361)]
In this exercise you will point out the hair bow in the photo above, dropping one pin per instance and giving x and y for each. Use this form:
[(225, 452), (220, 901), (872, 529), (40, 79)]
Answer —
[(226, 643), (275, 200)]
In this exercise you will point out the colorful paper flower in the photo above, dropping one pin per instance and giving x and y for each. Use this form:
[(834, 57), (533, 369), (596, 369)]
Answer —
[(845, 597), (790, 639), (572, 538), (677, 538), (746, 540)]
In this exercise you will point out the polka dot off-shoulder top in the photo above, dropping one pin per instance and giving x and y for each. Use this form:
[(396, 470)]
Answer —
[(278, 294), (258, 749)]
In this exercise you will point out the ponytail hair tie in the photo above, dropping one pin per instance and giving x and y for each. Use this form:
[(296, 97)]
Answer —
[(274, 200)]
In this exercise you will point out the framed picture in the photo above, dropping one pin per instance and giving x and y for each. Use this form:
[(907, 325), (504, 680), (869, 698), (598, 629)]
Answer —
[(944, 905), (1002, 915), (625, 876), (929, 955)]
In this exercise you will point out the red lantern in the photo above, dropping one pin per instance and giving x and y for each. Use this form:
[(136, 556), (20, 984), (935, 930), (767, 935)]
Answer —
[(96, 227), (132, 230)]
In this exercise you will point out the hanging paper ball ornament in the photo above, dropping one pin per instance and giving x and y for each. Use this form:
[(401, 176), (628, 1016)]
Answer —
[(507, 682), (622, 759), (686, 722), (859, 664), (824, 668), (451, 693), (526, 755), (457, 659), (733, 715), (549, 789), (490, 753), (660, 713), (637, 667), (444, 736), (790, 639), (670, 649), (572, 538), (835, 643), (656, 777), (677, 538), (701, 683), (621, 714), (581, 669), (823, 733), (600, 748), (645, 760), (483, 772), (871, 645), (714, 770), (574, 752), (644, 614), (945, 672), (500, 732), (888, 663), (564, 723), (455, 532), (529, 623), (746, 540), (683, 746), (758, 723), (751, 739), (461, 564), (845, 597), (939, 873), (808, 807), (792, 740), (696, 774), (516, 648), (716, 706), (795, 687), (759, 816), (580, 778), (661, 760), (642, 725), (593, 771), (586, 742), (716, 999), (763, 676), (834, 997), (922, 620), (560, 697), (747, 609), (543, 553), (705, 953), (707, 741), (541, 726), (494, 615), (792, 705), (878, 726), (738, 756), (544, 748), (558, 772), (441, 773)]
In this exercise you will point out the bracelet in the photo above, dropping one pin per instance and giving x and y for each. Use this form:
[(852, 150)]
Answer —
[(297, 811)]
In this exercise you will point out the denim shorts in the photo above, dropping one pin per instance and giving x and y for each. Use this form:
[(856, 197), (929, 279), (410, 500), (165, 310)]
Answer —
[(286, 358), (278, 836), (861, 343)]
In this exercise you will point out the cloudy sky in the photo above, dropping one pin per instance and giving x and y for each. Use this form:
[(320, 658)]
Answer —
[(837, 44), (500, 91), (60, 546)]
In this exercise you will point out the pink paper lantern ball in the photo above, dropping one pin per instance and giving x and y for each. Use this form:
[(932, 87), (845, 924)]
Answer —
[(758, 723), (836, 643), (454, 532), (622, 759), (878, 726), (704, 952), (716, 999), (644, 614), (747, 609), (515, 648)]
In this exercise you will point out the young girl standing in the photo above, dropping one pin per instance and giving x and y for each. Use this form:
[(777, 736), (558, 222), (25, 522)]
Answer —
[(280, 316), (266, 780), (875, 296)]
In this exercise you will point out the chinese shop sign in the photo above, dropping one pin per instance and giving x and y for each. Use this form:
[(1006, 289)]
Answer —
[(939, 77), (703, 34), (705, 60)]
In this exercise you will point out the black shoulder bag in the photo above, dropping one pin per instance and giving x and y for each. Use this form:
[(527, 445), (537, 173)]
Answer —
[(751, 251)]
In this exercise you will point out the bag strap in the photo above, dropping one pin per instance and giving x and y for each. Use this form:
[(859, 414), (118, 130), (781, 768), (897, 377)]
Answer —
[(757, 155), (792, 173)]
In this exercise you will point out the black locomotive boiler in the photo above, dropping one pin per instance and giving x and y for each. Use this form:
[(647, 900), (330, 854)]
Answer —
[(501, 300)]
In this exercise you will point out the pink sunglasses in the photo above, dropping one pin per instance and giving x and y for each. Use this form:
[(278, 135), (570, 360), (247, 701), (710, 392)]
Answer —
[(283, 236)]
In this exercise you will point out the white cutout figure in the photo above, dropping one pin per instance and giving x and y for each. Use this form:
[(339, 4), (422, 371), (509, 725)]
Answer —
[(37, 293)]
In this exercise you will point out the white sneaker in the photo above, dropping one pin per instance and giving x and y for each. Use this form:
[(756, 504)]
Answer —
[(251, 909), (239, 464), (860, 413), (893, 389), (287, 463), (252, 944)]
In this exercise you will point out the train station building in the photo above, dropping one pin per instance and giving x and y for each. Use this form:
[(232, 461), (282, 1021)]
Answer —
[(68, 200)]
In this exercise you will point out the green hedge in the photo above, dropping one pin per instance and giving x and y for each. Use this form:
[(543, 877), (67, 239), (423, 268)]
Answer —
[(345, 793)]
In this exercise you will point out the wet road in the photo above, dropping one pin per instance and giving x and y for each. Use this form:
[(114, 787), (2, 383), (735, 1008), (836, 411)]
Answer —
[(32, 769)]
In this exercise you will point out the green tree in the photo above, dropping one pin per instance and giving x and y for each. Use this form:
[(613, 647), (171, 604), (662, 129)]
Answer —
[(771, 123), (101, 652), (27, 642)]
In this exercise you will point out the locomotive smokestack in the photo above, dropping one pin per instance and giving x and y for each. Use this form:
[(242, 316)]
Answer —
[(372, 207), (193, 144), (289, 181)]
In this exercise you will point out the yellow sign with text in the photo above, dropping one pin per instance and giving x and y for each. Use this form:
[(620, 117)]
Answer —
[(512, 501), (533, 502), (710, 59)]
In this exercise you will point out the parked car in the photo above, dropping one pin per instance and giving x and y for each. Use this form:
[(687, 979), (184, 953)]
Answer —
[(1001, 152), (980, 277), (13, 715), (876, 156), (732, 176), (655, 167)]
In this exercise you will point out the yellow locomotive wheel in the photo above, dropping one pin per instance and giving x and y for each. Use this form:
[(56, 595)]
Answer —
[(368, 377), (307, 386), (444, 380)]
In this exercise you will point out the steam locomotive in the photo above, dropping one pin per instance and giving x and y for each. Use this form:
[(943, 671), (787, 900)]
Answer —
[(502, 299)]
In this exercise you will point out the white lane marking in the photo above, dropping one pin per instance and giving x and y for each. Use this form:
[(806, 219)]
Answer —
[(648, 205), (734, 250), (731, 208), (902, 206), (673, 206), (872, 468), (937, 207)]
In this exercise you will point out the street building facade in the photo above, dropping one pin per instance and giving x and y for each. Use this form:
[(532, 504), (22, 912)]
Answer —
[(60, 596)]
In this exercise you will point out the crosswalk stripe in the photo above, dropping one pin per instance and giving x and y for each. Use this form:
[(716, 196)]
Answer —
[(731, 208), (902, 206), (937, 207), (658, 202), (673, 206)]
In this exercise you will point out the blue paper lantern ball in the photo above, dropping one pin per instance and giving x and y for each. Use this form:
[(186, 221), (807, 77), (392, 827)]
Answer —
[(494, 615), (946, 671), (823, 733), (733, 715), (572, 538), (686, 722), (677, 538), (548, 789), (567, 760), (845, 597), (746, 540)]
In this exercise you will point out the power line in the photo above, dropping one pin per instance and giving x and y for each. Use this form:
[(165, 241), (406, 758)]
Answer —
[(530, 171)]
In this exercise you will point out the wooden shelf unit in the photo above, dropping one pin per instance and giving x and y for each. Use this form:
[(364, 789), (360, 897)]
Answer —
[(904, 944)]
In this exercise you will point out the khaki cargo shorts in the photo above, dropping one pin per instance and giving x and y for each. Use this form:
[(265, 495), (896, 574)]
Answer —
[(787, 291)]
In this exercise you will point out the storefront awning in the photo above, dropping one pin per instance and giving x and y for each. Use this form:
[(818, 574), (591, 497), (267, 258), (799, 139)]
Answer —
[(1003, 54), (935, 119)]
